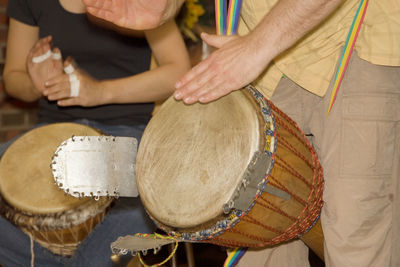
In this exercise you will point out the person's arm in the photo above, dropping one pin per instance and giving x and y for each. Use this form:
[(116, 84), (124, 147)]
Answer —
[(157, 84), (240, 60), (23, 78), (21, 38), (134, 14)]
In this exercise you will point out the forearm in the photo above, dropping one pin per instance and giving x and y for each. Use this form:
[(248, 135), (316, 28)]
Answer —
[(169, 50), (149, 86), (286, 23), (19, 85), (239, 60)]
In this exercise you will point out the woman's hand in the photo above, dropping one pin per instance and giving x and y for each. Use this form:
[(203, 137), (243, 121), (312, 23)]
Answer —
[(234, 65), (88, 92), (43, 63)]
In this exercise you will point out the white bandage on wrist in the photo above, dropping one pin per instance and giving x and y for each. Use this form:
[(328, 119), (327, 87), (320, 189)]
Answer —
[(69, 69), (56, 56), (75, 85), (41, 58)]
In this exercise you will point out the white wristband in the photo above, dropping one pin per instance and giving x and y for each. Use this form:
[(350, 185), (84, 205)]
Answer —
[(69, 69), (75, 85), (56, 56), (41, 58)]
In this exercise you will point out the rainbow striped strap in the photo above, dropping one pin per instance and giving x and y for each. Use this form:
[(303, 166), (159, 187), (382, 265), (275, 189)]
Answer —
[(226, 24), (220, 16), (348, 49), (234, 256), (223, 29)]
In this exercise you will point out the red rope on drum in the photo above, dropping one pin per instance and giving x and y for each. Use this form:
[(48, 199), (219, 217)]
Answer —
[(230, 243), (250, 236), (308, 215), (282, 114), (318, 180), (283, 125), (292, 171), (287, 145), (272, 207), (252, 220), (279, 185)]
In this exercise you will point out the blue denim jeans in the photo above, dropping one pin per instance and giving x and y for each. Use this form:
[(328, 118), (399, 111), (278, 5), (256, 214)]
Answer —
[(126, 217)]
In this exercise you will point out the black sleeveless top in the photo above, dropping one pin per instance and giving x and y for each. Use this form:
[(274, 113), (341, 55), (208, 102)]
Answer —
[(102, 53)]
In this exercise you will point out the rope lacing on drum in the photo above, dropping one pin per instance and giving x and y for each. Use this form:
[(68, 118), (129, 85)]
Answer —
[(157, 236)]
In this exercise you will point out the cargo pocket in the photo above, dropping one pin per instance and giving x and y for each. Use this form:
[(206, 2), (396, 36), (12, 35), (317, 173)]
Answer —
[(368, 135)]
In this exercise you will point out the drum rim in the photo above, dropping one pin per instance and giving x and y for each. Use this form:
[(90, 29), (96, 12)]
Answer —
[(5, 195)]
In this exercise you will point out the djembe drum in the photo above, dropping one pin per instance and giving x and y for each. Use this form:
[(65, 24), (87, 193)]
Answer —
[(33, 202), (236, 172)]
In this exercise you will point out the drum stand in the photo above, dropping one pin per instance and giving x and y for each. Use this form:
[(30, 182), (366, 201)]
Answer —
[(189, 255)]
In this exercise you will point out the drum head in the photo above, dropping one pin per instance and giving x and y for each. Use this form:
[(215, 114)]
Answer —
[(192, 157), (26, 180)]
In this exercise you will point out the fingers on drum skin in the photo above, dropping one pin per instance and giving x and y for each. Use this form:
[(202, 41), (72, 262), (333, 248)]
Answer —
[(216, 89), (193, 80), (205, 89), (197, 86), (214, 94)]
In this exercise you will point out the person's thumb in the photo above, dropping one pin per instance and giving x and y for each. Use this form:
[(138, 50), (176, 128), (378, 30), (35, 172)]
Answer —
[(216, 40)]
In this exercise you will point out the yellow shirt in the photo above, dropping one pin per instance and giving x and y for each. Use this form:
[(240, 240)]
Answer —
[(311, 63)]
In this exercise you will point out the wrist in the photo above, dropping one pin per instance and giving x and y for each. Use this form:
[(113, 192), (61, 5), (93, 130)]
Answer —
[(262, 54), (104, 93)]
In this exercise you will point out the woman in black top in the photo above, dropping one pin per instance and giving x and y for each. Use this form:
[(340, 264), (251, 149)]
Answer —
[(116, 95)]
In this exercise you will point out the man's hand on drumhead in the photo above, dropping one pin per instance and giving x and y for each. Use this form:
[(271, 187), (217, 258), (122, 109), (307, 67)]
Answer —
[(134, 14), (234, 65)]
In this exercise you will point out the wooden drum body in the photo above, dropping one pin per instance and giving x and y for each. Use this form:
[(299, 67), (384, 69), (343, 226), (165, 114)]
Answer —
[(237, 172), (32, 201)]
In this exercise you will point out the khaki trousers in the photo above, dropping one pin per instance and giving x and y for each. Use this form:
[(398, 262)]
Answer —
[(359, 146)]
